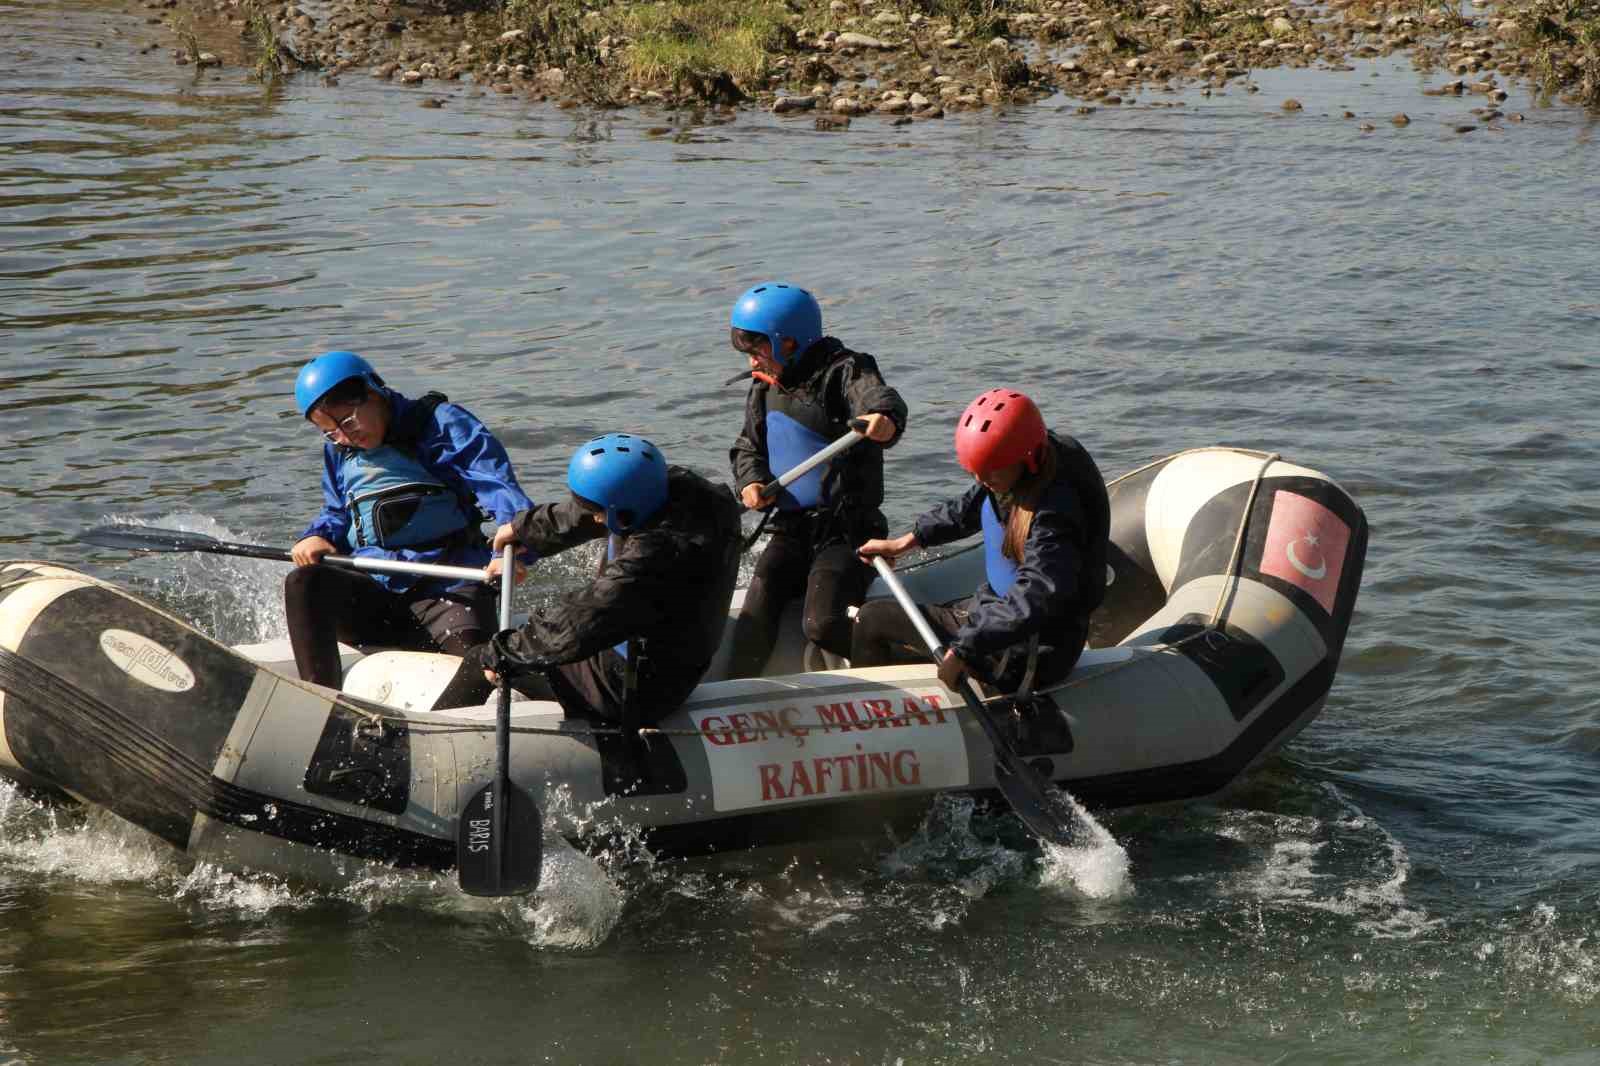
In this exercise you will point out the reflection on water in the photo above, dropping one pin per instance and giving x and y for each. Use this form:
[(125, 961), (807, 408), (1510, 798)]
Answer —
[(1407, 310)]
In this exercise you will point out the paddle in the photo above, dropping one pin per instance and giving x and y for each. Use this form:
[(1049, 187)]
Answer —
[(858, 432), (1028, 792), (151, 539), (500, 837)]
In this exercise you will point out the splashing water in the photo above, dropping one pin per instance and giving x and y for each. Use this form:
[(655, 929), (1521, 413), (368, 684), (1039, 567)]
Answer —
[(1097, 867)]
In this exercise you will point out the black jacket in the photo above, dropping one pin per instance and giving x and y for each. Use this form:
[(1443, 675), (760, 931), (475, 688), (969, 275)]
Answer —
[(846, 385), (668, 588), (1062, 576)]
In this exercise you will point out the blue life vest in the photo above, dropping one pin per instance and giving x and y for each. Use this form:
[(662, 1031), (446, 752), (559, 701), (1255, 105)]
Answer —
[(999, 569), (396, 502), (790, 443)]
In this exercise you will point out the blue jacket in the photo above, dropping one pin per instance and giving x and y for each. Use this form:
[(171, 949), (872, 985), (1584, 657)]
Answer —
[(457, 449), (1062, 575)]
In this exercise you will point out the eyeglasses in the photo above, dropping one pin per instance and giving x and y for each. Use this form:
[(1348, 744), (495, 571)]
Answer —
[(343, 426), (749, 341)]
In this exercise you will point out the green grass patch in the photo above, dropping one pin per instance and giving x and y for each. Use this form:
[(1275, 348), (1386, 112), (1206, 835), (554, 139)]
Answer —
[(674, 41)]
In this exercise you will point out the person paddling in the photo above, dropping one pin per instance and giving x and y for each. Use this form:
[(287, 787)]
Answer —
[(402, 479), (632, 644), (807, 389), (1042, 508)]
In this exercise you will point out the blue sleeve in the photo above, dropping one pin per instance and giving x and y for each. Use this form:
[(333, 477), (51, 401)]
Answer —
[(461, 450), (952, 520), (333, 522)]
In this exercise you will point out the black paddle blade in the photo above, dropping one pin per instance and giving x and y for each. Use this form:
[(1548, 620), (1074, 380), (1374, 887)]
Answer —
[(1032, 798), (500, 867), (145, 538), (153, 539)]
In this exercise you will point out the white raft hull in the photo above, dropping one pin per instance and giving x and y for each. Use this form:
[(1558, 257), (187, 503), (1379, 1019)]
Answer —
[(1234, 582)]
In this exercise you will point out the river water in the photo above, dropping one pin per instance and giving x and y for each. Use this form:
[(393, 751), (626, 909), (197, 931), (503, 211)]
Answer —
[(1412, 310)]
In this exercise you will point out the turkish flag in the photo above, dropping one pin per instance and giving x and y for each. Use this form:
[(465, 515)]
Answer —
[(1306, 546)]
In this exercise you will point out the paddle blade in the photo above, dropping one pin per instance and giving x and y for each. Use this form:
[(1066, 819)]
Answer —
[(145, 538), (152, 539), (1032, 798), (491, 866)]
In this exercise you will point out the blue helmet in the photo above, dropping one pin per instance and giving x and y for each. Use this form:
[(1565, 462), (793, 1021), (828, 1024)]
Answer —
[(326, 371), (779, 310), (624, 474)]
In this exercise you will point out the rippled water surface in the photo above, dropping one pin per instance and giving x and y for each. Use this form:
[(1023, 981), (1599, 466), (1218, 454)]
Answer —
[(1411, 310)]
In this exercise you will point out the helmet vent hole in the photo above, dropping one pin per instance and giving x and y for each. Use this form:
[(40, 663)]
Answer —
[(985, 427), (597, 451)]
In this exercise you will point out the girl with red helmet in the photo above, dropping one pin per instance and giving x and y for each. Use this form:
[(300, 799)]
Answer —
[(1041, 505)]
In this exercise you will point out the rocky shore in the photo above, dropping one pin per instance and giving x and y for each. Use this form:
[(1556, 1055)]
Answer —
[(831, 61)]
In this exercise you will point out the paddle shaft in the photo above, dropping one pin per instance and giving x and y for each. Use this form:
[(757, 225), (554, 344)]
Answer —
[(1025, 788), (152, 539), (502, 722), (805, 466)]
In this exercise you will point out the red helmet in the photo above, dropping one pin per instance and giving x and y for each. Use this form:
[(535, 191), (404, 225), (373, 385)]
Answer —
[(999, 428)]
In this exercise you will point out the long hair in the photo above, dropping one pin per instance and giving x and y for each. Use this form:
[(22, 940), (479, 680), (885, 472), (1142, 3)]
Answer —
[(1024, 497)]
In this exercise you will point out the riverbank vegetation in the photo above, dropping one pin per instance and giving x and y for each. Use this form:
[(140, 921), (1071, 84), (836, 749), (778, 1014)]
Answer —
[(906, 59)]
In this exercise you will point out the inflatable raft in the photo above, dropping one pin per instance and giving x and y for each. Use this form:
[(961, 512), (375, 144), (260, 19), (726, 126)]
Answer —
[(1234, 575)]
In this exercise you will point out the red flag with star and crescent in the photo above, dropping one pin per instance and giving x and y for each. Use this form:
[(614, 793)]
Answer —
[(1305, 546)]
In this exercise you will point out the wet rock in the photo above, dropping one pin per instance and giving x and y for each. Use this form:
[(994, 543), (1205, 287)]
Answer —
[(832, 123), (1292, 104), (1280, 26), (788, 105), (207, 59), (919, 101), (432, 101), (1366, 127), (861, 40), (1348, 114), (1465, 128), (1401, 119), (411, 77), (847, 105), (386, 70)]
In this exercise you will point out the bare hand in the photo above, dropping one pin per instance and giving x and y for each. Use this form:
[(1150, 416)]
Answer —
[(496, 566), (880, 427), (753, 500), (503, 535), (890, 549), (309, 552), (491, 677), (951, 670)]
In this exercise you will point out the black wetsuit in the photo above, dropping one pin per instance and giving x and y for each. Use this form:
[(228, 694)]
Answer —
[(812, 549), (663, 592)]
